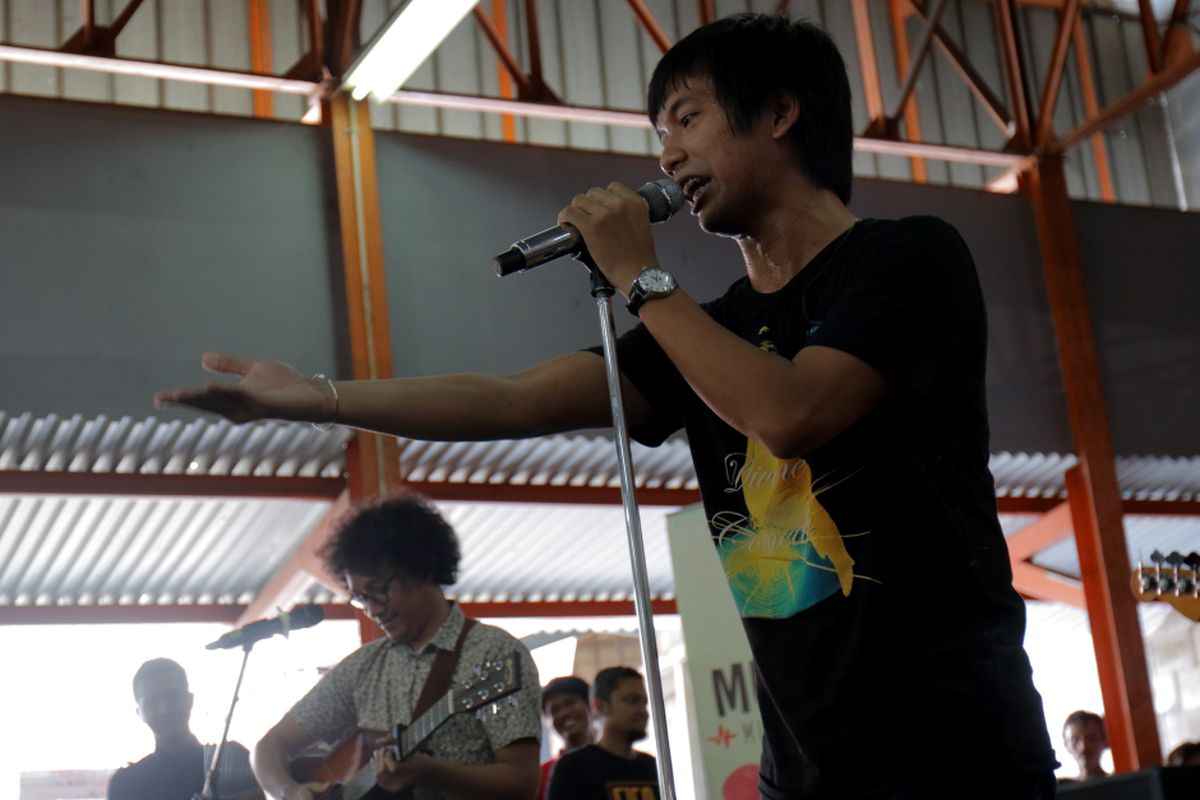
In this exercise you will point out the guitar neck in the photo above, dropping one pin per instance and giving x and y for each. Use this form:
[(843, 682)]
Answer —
[(425, 725)]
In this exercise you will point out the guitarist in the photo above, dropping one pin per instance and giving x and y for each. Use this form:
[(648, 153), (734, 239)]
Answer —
[(396, 556)]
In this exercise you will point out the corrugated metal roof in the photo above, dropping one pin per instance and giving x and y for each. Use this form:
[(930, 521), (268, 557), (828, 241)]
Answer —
[(62, 549)]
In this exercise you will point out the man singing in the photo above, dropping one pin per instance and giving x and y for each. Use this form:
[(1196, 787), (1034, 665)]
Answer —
[(833, 399), (396, 557)]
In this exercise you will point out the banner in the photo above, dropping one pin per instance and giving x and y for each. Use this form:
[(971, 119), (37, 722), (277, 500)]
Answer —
[(727, 738)]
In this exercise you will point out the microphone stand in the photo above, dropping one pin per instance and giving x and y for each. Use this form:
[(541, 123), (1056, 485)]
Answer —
[(603, 291), (210, 792)]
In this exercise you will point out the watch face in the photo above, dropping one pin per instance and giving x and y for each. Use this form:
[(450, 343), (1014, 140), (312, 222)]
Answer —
[(655, 281)]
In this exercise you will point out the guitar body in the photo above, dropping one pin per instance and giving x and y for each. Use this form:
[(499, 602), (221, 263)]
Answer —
[(345, 759)]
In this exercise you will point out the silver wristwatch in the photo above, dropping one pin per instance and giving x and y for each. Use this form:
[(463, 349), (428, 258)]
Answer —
[(650, 283)]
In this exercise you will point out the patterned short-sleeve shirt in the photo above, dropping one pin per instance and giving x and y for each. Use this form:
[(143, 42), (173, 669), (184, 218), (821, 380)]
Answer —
[(378, 685)]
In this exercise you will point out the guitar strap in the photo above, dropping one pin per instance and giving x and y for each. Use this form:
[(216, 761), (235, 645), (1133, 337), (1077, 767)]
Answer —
[(441, 672)]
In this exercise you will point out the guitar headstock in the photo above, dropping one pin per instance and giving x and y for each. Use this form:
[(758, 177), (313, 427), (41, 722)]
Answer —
[(497, 677), (1173, 579)]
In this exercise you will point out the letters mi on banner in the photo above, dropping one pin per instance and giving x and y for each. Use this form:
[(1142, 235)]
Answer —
[(727, 729)]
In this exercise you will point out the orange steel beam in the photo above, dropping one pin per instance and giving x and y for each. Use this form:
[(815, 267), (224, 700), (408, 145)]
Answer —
[(136, 484), (1154, 53), (1096, 500), (708, 11), (1037, 583), (1177, 42), (259, 12), (1091, 107), (582, 495), (1116, 634), (301, 568), (1164, 80), (126, 614), (121, 20), (504, 77), (650, 24), (1054, 526), (1054, 75), (344, 19), (973, 80), (912, 115), (1014, 72), (918, 57), (372, 460), (1034, 581), (511, 69), (877, 124), (535, 43), (563, 608)]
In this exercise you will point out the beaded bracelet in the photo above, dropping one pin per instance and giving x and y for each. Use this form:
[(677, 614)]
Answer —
[(324, 426)]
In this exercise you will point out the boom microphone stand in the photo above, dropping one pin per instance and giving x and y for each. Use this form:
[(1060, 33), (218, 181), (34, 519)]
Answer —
[(602, 291), (210, 792)]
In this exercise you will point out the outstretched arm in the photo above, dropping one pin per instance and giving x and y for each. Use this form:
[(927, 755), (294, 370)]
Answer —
[(563, 393)]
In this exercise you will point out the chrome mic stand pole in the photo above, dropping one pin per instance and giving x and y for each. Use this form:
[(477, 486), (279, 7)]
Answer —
[(602, 291)]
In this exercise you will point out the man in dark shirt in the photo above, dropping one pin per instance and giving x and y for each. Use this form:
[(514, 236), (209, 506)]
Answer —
[(611, 769), (834, 401), (566, 705), (176, 768)]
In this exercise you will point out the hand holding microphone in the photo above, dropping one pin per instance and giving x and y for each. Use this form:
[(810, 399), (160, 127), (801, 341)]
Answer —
[(612, 221)]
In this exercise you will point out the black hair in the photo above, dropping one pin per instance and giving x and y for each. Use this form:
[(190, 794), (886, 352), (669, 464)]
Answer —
[(158, 666), (609, 678), (405, 533), (1082, 717), (566, 685), (750, 58), (1185, 755)]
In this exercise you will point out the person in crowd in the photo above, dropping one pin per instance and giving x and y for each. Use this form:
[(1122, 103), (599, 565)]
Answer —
[(176, 769), (1086, 739), (1185, 755), (566, 707), (834, 402), (396, 557), (611, 769)]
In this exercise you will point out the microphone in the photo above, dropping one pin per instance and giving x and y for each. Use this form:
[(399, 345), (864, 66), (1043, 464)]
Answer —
[(663, 196), (299, 617)]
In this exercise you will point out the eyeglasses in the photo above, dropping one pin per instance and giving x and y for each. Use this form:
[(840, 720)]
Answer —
[(376, 594)]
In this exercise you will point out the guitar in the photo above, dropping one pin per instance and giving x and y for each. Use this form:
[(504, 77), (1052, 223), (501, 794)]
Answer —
[(1173, 579), (494, 679)]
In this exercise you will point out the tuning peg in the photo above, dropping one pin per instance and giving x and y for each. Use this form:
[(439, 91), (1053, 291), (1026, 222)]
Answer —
[(1175, 559), (1158, 558)]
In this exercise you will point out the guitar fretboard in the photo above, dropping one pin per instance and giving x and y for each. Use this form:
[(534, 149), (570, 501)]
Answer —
[(423, 728)]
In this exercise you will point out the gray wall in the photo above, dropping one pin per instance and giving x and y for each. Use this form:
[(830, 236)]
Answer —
[(136, 239)]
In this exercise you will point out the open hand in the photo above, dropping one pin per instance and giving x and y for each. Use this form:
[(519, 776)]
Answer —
[(267, 390)]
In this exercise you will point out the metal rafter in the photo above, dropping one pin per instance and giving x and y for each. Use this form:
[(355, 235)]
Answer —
[(259, 27), (878, 120), (918, 57), (1054, 75), (646, 17), (1091, 107), (912, 115)]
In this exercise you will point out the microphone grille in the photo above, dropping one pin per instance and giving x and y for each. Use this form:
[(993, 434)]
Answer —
[(664, 196)]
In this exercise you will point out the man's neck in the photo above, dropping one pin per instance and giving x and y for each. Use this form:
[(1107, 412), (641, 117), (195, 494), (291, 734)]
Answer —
[(618, 744), (175, 744), (438, 608), (797, 226)]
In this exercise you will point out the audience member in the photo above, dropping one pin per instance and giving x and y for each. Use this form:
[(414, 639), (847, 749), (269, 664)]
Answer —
[(611, 768), (1086, 739), (566, 706), (176, 768), (1186, 755)]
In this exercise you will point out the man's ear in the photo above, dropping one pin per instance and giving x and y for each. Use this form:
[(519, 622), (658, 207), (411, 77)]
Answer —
[(784, 111), (599, 707)]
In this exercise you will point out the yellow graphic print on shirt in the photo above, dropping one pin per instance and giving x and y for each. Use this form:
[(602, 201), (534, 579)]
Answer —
[(787, 553)]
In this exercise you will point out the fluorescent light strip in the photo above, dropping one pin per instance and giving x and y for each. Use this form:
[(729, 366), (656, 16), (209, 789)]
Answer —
[(406, 40), (150, 69)]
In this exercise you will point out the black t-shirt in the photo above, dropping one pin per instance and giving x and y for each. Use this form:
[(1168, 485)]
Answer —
[(179, 774), (872, 576), (593, 773)]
